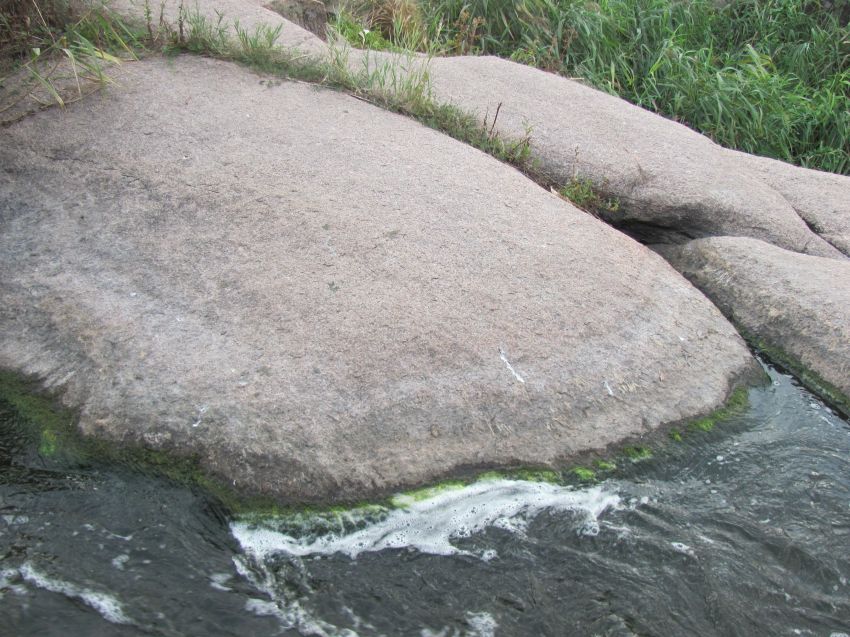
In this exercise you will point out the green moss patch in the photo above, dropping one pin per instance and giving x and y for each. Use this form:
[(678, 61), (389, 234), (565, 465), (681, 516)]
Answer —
[(403, 500), (50, 430), (584, 474), (637, 453), (810, 379)]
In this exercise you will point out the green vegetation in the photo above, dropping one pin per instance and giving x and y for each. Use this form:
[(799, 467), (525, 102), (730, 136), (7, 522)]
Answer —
[(390, 25), (584, 474), (770, 77), (403, 500), (585, 195), (637, 453), (356, 34), (54, 52), (531, 475)]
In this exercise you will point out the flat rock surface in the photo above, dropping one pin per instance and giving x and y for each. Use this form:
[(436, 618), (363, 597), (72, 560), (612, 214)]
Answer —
[(793, 302), (323, 300)]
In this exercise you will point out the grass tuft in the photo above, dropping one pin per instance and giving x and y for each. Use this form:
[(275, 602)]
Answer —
[(605, 465), (54, 52), (585, 195)]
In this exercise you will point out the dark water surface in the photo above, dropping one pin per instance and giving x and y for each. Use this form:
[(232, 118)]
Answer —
[(741, 531)]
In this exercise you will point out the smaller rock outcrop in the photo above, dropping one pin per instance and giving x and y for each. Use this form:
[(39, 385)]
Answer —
[(796, 305), (821, 199)]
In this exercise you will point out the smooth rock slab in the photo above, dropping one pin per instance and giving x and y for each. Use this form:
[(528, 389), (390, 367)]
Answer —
[(672, 183), (821, 199), (323, 300), (795, 303)]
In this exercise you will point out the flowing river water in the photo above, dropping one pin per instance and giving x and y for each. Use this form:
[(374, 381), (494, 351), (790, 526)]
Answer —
[(744, 530)]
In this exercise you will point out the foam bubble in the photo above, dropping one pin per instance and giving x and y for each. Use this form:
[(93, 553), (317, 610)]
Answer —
[(481, 625), (7, 576), (683, 548), (430, 525), (119, 561), (219, 580), (108, 607)]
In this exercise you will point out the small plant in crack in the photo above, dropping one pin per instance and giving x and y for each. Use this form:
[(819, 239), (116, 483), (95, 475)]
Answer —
[(585, 195)]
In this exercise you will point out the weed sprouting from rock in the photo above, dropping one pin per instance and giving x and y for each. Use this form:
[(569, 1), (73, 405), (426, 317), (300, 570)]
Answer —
[(54, 53)]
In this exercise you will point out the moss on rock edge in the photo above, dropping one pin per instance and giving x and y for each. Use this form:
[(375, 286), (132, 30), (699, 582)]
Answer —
[(51, 428)]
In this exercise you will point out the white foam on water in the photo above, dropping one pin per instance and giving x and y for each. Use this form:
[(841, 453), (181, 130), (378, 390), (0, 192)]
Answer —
[(444, 632), (119, 561), (430, 525), (108, 607), (218, 581), (481, 625), (683, 548), (427, 525), (289, 613)]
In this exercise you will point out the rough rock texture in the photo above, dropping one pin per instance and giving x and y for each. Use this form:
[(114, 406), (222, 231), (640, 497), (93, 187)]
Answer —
[(793, 302), (672, 183), (310, 14), (821, 199), (324, 300)]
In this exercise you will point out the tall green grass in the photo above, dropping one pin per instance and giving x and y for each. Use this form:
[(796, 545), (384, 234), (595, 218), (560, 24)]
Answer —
[(770, 77)]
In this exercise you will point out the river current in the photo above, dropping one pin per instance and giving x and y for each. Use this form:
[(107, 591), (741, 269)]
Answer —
[(743, 530)]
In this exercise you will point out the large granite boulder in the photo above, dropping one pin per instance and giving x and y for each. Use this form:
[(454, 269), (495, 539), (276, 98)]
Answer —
[(323, 300), (795, 305)]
